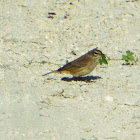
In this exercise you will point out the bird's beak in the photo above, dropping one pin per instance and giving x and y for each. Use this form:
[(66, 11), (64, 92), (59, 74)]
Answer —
[(102, 54)]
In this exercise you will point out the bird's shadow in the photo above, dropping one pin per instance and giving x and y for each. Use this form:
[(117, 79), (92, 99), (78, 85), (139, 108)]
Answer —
[(85, 79)]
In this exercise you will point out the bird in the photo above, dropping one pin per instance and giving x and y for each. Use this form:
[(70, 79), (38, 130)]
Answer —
[(81, 66)]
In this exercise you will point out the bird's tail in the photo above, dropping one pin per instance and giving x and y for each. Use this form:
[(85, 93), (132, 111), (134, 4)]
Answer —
[(49, 73)]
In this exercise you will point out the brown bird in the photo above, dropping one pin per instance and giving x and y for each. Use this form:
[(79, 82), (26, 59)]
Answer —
[(82, 65)]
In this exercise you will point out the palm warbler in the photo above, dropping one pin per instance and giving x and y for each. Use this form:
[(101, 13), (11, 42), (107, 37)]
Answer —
[(82, 65)]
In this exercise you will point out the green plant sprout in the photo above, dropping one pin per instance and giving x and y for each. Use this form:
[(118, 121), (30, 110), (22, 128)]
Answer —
[(43, 62), (103, 60), (67, 61), (128, 57)]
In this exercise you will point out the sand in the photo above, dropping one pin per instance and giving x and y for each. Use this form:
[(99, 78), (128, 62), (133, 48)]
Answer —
[(33, 107)]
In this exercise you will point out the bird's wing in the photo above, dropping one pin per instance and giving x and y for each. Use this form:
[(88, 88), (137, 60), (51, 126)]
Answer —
[(78, 63)]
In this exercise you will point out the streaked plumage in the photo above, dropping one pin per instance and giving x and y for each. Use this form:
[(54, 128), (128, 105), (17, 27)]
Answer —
[(82, 65)]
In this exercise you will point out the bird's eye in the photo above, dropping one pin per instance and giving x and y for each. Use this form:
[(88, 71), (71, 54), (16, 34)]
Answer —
[(96, 53)]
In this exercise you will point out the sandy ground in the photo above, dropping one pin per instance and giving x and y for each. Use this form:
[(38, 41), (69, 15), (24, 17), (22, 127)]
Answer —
[(33, 107)]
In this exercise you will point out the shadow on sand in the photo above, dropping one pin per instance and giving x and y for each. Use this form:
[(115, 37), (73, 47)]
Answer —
[(85, 79)]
